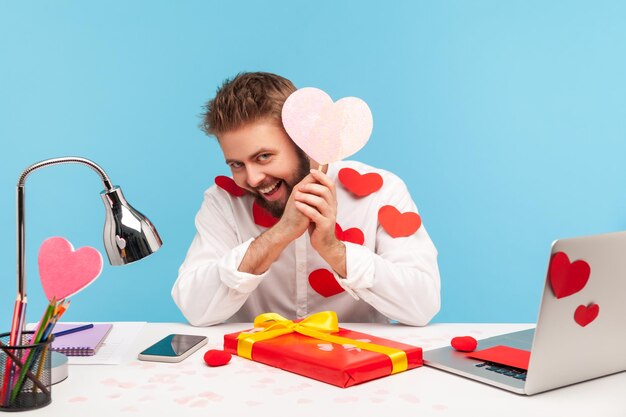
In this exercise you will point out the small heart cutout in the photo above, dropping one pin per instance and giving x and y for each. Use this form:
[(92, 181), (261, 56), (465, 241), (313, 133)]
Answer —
[(228, 184), (586, 314), (324, 283), (324, 130), (262, 217), (215, 357), (398, 224), (567, 278), (326, 347), (358, 184), (353, 235), (64, 271), (120, 241), (464, 343)]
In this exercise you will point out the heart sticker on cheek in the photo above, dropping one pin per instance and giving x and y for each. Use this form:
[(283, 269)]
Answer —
[(324, 130), (324, 283), (64, 271), (228, 184)]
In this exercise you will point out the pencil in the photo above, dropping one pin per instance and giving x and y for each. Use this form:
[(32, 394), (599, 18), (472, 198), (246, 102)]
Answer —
[(73, 330)]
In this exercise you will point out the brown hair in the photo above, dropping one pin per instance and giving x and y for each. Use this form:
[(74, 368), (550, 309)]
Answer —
[(248, 97)]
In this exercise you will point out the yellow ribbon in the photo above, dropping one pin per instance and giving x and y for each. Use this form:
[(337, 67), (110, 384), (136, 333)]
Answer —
[(318, 326)]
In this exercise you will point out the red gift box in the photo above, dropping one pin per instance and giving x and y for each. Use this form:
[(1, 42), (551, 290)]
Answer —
[(322, 351)]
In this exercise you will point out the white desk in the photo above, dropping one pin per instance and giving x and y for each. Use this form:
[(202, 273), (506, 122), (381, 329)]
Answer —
[(243, 387)]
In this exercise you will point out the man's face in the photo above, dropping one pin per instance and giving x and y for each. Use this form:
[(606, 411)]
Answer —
[(264, 160)]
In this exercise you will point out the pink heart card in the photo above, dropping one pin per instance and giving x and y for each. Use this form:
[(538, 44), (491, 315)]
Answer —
[(64, 271), (327, 131)]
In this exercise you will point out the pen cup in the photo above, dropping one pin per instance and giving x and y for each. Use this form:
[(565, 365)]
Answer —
[(25, 373)]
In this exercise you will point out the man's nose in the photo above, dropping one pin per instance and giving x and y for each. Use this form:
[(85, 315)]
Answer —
[(254, 176)]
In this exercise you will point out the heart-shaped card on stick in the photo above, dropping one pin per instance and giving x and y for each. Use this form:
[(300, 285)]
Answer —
[(327, 131), (64, 271)]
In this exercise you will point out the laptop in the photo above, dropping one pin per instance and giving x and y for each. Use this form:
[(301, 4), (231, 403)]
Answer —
[(566, 346)]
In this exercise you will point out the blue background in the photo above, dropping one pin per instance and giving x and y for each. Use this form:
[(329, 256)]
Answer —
[(505, 119)]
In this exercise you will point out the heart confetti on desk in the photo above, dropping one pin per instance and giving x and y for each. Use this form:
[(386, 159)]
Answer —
[(64, 271), (567, 278)]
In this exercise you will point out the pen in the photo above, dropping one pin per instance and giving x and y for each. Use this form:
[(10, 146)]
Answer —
[(73, 330)]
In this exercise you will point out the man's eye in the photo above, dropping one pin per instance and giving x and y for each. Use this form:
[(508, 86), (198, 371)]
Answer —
[(264, 156), (235, 164)]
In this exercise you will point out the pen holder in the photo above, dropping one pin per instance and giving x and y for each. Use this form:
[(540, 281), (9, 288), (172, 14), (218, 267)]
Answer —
[(25, 373)]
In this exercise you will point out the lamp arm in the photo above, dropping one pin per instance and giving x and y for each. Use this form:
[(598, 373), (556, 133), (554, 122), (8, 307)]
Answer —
[(21, 279)]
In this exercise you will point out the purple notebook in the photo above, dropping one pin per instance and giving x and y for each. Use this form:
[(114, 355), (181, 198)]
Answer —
[(82, 343)]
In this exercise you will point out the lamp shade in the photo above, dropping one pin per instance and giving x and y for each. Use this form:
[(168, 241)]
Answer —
[(128, 234)]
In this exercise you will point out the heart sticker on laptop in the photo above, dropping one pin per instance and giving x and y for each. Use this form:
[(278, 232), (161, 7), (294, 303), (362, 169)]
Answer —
[(567, 278), (586, 314), (64, 271)]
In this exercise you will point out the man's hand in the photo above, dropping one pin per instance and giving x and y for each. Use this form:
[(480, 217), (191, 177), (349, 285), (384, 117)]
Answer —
[(317, 200)]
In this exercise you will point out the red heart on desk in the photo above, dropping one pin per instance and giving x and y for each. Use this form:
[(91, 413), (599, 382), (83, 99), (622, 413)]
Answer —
[(586, 314), (353, 235), (358, 184), (228, 184), (464, 343), (64, 271), (324, 283), (262, 217), (567, 278), (398, 224)]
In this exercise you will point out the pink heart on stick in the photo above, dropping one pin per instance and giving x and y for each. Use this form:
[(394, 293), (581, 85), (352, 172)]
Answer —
[(324, 130), (64, 271)]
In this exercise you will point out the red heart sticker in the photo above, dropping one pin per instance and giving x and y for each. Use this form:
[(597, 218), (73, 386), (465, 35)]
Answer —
[(398, 224), (358, 184), (324, 283), (353, 235), (215, 357), (262, 217), (228, 184), (567, 278), (464, 343), (586, 314)]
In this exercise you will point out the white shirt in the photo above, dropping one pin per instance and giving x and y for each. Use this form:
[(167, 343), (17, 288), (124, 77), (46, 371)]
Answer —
[(387, 278)]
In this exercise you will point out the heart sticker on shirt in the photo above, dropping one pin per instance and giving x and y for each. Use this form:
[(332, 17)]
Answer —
[(64, 271), (324, 283), (262, 217), (358, 184), (228, 184), (352, 235), (586, 314), (567, 278), (398, 224), (326, 131)]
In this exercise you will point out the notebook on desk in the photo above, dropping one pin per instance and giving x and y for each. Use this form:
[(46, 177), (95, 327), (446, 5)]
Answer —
[(82, 343), (580, 328)]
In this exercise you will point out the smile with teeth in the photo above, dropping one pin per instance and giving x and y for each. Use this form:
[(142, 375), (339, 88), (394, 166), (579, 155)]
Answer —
[(268, 190)]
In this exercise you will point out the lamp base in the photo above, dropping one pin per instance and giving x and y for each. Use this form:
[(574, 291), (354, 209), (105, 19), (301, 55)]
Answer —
[(59, 367)]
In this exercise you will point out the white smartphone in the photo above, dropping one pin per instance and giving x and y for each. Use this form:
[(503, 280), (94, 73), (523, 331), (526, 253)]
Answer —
[(173, 348)]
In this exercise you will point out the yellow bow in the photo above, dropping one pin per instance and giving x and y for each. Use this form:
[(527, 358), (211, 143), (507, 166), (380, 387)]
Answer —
[(318, 326)]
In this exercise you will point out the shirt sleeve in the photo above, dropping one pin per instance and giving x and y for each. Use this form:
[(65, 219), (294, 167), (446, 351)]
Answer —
[(209, 288), (400, 277)]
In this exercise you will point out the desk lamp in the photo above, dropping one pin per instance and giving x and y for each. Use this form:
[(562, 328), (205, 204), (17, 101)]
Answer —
[(128, 234)]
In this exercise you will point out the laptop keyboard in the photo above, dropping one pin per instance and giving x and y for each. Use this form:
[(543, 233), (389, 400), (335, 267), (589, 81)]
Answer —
[(504, 370)]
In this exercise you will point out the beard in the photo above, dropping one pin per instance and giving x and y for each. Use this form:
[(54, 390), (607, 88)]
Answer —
[(277, 208)]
